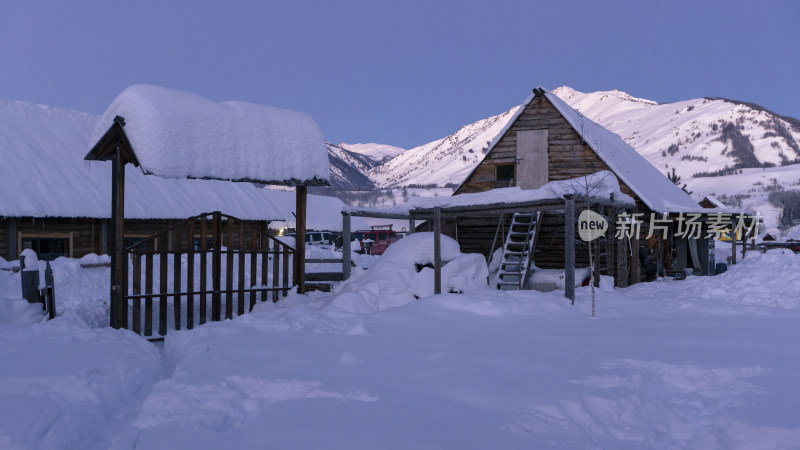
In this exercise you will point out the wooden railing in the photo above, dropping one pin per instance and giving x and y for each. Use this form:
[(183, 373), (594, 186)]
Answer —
[(206, 257)]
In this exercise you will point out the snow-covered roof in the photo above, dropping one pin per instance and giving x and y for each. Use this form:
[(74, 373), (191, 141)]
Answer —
[(177, 134), (650, 185), (714, 201), (600, 186), (43, 174)]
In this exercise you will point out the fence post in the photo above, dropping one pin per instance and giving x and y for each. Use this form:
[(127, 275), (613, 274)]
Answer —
[(437, 250), (50, 300), (29, 273), (345, 245), (569, 247)]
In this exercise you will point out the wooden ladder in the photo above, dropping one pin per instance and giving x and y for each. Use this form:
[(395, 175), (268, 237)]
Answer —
[(518, 251)]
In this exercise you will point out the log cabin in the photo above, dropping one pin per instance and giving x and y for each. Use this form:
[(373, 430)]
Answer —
[(547, 140), (59, 205)]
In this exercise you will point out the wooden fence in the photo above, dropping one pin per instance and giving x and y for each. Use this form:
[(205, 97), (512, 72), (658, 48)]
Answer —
[(181, 274)]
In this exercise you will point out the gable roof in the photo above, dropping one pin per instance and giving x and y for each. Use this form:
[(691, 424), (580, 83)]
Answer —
[(175, 134), (713, 201), (647, 182)]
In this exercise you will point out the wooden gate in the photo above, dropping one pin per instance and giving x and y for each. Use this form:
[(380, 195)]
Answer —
[(206, 257)]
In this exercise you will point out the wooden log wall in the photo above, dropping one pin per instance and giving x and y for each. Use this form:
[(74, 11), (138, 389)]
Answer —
[(86, 234)]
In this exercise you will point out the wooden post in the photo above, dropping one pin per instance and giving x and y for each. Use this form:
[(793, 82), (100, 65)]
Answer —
[(119, 311), (190, 278), (11, 241), (216, 270), (346, 245), (636, 263), (569, 247), (104, 237), (300, 239), (621, 247), (437, 250), (733, 244), (744, 245), (229, 269), (412, 225)]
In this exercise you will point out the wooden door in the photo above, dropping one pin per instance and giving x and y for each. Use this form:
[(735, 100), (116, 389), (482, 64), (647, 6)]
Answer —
[(532, 164)]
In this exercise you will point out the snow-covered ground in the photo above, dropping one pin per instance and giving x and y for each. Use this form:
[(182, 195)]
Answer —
[(702, 363)]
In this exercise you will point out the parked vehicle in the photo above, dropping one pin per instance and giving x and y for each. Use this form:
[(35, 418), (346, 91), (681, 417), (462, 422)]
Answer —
[(376, 240), (316, 237)]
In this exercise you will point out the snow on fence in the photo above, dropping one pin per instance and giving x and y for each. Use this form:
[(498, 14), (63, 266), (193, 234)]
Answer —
[(199, 259)]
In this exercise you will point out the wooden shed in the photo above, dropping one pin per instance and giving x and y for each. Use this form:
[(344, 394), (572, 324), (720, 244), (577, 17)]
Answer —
[(547, 140), (180, 135)]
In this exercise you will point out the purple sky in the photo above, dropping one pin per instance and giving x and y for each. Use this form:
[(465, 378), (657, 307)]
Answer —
[(402, 72)]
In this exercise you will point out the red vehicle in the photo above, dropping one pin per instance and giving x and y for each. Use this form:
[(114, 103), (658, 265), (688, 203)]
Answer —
[(381, 239)]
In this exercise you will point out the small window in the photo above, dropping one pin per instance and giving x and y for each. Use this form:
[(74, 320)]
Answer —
[(383, 235), (504, 174), (47, 248)]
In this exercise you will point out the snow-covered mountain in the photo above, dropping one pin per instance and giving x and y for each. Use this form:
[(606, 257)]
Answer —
[(696, 137), (693, 136), (755, 149), (348, 168), (445, 161), (377, 152)]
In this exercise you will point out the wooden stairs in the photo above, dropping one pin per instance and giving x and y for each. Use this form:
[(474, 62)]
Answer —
[(518, 251)]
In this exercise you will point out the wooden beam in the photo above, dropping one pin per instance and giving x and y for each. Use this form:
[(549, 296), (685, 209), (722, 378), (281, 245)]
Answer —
[(346, 245), (300, 238), (569, 248), (437, 250), (118, 310)]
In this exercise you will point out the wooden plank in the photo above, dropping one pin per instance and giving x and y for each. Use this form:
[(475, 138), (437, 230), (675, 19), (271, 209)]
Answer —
[(636, 263), (229, 270), (136, 290), (240, 277), (203, 269), (532, 164), (124, 290), (346, 246), (300, 238), (275, 269), (253, 267), (190, 278), (163, 283), (176, 277), (286, 265), (569, 248), (148, 289), (437, 250), (323, 276), (216, 269)]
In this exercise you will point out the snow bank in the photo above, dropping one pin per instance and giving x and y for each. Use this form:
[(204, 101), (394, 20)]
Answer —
[(176, 134), (760, 284), (63, 385), (393, 279)]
